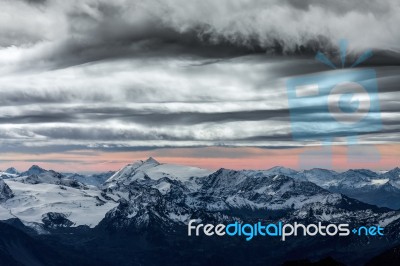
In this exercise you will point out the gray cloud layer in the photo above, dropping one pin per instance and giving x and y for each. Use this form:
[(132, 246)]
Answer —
[(122, 74)]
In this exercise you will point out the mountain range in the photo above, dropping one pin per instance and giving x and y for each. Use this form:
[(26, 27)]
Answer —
[(146, 205)]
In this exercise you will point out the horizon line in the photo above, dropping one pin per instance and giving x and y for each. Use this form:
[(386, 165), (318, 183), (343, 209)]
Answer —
[(213, 169)]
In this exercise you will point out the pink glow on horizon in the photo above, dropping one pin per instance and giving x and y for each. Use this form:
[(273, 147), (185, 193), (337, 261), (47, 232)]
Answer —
[(208, 157)]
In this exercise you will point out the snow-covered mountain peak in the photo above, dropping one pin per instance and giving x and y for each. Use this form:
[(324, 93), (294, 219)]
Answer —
[(34, 170), (9, 173), (96, 179), (320, 171), (152, 169), (151, 160), (280, 170), (321, 177), (224, 171), (392, 174), (12, 171), (38, 175), (363, 172)]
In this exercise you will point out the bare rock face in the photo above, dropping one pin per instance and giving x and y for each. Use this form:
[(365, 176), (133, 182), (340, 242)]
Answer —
[(5, 191), (56, 220)]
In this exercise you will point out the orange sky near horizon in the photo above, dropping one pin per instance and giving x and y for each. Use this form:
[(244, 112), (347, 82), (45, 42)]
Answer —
[(206, 157)]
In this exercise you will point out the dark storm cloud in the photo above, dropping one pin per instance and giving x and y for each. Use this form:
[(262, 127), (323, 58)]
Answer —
[(75, 32), (126, 75), (69, 149), (17, 146), (342, 6), (126, 115), (36, 2)]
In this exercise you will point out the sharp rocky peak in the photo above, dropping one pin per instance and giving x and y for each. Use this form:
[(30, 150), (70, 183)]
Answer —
[(151, 160)]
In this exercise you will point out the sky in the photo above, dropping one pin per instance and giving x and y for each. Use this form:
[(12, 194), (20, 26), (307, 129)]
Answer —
[(92, 85)]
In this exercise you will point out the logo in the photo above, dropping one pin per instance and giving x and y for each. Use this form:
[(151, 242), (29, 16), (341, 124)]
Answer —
[(280, 229), (335, 104)]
